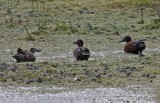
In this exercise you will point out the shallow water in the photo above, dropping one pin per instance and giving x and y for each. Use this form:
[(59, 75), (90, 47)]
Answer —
[(132, 94), (69, 55)]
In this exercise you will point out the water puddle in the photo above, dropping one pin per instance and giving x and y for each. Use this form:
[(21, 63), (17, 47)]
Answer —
[(132, 94), (94, 55), (69, 55)]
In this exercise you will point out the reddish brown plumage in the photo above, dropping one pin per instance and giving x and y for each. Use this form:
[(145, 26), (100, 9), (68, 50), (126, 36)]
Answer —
[(135, 47), (130, 48)]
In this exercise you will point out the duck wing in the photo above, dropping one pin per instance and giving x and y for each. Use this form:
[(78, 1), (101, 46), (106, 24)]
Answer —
[(85, 51), (139, 44), (81, 53)]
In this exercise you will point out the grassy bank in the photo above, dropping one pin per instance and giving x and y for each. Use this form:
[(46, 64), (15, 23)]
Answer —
[(53, 26)]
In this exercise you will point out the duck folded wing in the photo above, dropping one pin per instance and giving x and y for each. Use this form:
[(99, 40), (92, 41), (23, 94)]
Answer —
[(81, 53), (139, 44), (85, 51)]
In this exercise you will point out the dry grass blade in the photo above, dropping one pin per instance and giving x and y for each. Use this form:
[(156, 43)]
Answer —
[(29, 35)]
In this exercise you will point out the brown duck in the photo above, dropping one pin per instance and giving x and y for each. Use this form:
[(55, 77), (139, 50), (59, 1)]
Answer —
[(134, 47), (25, 55), (81, 53)]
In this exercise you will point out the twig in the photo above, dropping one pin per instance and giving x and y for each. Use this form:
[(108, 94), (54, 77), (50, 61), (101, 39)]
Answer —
[(29, 35)]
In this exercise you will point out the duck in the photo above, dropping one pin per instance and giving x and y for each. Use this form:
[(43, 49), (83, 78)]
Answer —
[(25, 55), (134, 47), (81, 52)]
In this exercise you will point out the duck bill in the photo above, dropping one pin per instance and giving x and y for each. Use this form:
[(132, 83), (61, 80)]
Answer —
[(38, 50), (121, 40), (75, 42), (14, 56)]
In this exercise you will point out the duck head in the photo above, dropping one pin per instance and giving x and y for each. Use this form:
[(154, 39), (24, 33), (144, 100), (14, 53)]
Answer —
[(19, 50), (126, 39), (79, 42)]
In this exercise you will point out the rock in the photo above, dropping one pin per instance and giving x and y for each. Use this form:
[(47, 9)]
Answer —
[(77, 79), (98, 76), (13, 68), (30, 81), (39, 80), (127, 70), (106, 68), (149, 76), (3, 66)]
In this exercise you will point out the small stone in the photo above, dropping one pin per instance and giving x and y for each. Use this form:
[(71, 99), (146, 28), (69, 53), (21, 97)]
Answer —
[(106, 68), (98, 76), (93, 79), (39, 80)]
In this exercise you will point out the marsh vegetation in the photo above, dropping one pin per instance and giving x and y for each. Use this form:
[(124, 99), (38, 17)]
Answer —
[(53, 25)]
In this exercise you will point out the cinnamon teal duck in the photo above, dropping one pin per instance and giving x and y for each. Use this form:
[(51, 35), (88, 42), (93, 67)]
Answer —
[(25, 55), (81, 53), (134, 47)]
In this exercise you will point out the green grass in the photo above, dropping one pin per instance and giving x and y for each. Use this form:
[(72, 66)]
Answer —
[(87, 73), (101, 24)]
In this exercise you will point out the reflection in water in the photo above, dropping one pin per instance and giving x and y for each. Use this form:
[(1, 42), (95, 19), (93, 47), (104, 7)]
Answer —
[(134, 94)]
